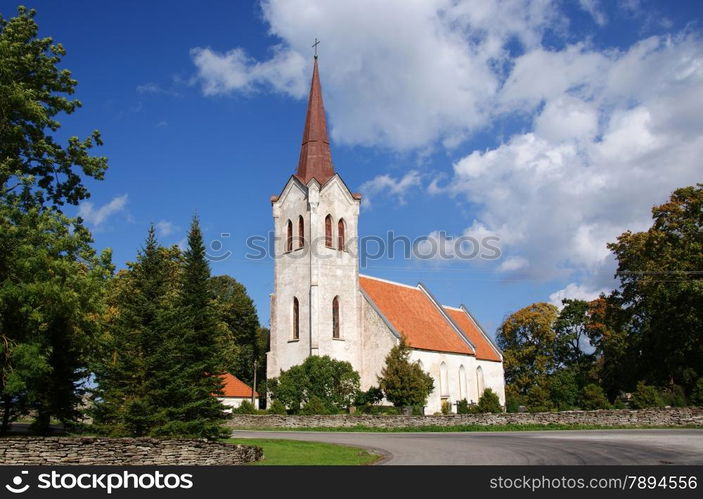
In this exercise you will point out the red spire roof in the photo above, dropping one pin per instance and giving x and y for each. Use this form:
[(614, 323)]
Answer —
[(315, 157)]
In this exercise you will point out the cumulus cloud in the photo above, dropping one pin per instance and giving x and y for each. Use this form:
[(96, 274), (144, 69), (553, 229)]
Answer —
[(164, 228), (607, 134), (96, 216), (389, 186), (575, 292), (398, 74), (613, 134)]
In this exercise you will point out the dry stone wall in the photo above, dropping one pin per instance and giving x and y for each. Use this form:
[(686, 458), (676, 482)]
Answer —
[(122, 451), (644, 417)]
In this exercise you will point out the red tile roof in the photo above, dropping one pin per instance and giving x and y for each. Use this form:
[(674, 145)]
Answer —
[(414, 315), (484, 349), (315, 156), (234, 387)]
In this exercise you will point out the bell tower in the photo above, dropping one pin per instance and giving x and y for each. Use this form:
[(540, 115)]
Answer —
[(315, 305)]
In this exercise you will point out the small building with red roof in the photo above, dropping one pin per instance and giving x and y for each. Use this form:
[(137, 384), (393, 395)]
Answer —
[(235, 391), (321, 305)]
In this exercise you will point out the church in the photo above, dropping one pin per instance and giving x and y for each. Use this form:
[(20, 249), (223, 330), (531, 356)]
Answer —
[(322, 305)]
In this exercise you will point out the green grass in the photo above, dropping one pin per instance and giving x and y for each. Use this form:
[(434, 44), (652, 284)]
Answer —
[(297, 453), (473, 428)]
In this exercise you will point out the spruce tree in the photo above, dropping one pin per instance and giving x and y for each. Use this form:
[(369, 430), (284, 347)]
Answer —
[(142, 316), (186, 381)]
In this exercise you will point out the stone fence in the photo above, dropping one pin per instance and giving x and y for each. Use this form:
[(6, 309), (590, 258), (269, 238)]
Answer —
[(123, 451), (644, 417)]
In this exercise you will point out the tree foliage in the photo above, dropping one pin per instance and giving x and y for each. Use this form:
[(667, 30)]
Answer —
[(34, 90), (404, 383), (51, 299), (332, 382), (661, 276), (527, 338)]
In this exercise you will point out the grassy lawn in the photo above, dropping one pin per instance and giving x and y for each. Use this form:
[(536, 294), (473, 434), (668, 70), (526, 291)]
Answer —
[(479, 428), (296, 453)]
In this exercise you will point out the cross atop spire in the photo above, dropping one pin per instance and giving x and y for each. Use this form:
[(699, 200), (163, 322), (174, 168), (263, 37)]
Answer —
[(315, 157), (314, 45)]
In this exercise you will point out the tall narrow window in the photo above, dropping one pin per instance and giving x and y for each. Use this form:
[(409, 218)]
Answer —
[(328, 231), (462, 383), (289, 236), (443, 380), (335, 317), (340, 234), (296, 319), (480, 387), (301, 232)]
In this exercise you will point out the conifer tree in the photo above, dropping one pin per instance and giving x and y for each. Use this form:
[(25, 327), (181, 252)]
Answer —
[(141, 320), (186, 381)]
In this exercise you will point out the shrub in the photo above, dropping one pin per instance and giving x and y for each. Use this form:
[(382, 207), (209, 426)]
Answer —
[(646, 396), (538, 399), (404, 383), (277, 407), (246, 407), (315, 406), (593, 397), (462, 407), (674, 396), (697, 393), (489, 402), (372, 396), (563, 389), (332, 381), (446, 407)]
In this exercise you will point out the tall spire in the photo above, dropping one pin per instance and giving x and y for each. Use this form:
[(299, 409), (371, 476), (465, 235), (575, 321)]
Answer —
[(315, 157)]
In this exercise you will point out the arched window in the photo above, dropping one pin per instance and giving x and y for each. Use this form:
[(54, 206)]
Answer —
[(328, 231), (443, 380), (301, 232), (289, 236), (462, 383), (296, 319), (335, 317), (340, 234), (479, 381)]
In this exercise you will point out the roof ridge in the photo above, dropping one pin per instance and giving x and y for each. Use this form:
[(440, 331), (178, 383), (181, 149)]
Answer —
[(389, 282)]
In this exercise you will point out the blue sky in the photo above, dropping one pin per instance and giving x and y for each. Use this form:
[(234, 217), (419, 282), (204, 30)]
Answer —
[(551, 125)]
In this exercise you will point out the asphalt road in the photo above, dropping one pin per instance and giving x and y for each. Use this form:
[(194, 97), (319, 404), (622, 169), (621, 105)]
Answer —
[(533, 447)]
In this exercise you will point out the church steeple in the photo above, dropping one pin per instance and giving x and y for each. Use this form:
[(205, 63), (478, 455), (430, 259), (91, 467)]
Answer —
[(315, 157)]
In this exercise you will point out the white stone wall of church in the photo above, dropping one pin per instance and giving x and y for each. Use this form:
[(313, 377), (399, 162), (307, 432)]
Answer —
[(431, 363), (494, 377), (233, 402), (377, 340), (314, 275)]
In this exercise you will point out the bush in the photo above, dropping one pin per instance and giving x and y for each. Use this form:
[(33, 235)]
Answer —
[(593, 397), (277, 407), (512, 404), (646, 396), (674, 396), (538, 399), (563, 389), (697, 393), (489, 402), (315, 406), (246, 407), (446, 407), (462, 407), (372, 396), (332, 381), (404, 383)]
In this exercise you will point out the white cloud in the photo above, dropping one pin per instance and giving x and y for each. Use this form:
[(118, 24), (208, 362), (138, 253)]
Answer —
[(593, 8), (97, 216), (575, 291), (234, 71), (513, 263), (389, 186), (399, 74), (614, 133), (165, 228)]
